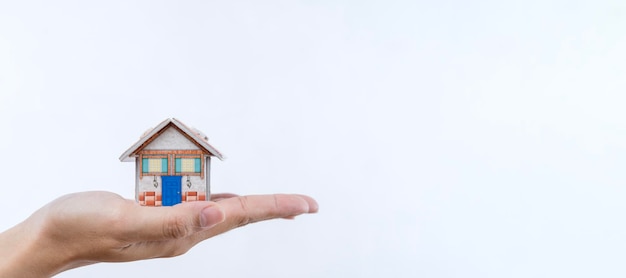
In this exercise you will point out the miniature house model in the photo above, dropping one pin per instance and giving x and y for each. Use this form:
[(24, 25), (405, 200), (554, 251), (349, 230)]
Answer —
[(173, 164)]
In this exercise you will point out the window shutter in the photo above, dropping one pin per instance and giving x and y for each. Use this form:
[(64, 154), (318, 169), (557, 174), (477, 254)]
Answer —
[(163, 165), (197, 168), (144, 165)]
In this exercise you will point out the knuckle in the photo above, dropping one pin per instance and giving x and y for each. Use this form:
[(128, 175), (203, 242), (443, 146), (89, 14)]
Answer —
[(175, 228), (243, 219)]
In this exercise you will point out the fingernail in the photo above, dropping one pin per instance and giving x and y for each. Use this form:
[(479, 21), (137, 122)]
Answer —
[(211, 216)]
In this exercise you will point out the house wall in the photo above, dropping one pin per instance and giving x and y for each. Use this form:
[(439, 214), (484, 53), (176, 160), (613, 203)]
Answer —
[(197, 184), (199, 190)]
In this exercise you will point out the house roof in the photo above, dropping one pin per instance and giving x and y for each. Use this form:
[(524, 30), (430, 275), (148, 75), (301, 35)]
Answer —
[(193, 135)]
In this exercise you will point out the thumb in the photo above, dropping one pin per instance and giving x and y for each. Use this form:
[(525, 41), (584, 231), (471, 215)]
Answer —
[(179, 221)]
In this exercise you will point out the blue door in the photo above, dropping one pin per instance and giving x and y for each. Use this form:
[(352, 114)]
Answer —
[(171, 189)]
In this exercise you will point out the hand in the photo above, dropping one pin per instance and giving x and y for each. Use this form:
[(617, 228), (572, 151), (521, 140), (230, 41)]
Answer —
[(85, 228)]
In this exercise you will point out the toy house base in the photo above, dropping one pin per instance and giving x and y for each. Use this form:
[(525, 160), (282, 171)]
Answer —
[(150, 198)]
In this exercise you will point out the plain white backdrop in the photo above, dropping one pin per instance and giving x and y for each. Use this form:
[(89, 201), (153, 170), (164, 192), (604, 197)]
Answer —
[(440, 138)]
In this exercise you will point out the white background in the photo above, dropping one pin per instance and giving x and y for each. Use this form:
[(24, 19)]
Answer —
[(441, 138)]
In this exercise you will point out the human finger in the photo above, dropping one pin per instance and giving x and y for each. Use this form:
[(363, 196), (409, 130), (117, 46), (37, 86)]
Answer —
[(243, 210)]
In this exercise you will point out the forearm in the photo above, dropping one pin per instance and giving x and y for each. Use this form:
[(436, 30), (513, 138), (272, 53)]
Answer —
[(26, 253)]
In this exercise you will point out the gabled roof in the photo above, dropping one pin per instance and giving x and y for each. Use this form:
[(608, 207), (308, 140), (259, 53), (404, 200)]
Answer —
[(194, 136)]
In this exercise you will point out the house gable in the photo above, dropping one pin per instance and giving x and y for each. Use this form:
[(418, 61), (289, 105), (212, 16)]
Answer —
[(171, 139)]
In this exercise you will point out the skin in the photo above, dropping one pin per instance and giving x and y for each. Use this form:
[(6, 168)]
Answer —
[(90, 227)]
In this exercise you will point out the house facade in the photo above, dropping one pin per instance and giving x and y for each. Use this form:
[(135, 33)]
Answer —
[(173, 164)]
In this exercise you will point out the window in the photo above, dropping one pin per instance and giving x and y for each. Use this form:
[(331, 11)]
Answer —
[(154, 165), (188, 165)]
